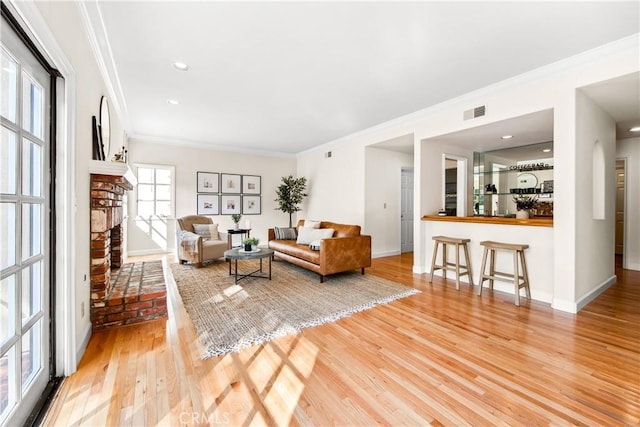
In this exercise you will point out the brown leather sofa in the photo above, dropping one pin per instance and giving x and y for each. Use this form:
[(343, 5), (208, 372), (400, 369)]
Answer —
[(346, 250)]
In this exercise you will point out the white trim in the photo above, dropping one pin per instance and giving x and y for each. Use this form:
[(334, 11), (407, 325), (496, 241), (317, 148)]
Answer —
[(85, 342), (384, 254), (143, 252), (470, 98), (595, 293), (419, 269), (65, 202), (91, 18), (206, 146), (564, 305), (113, 168)]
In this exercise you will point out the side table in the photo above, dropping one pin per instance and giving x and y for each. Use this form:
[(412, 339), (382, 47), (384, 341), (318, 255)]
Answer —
[(233, 231)]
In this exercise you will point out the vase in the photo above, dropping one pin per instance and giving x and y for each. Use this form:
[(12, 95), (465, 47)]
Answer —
[(236, 226), (522, 214)]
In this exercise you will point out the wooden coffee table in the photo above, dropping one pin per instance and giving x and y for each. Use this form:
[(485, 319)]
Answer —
[(239, 254)]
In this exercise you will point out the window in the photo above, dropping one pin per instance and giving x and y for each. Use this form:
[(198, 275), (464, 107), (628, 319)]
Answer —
[(154, 192)]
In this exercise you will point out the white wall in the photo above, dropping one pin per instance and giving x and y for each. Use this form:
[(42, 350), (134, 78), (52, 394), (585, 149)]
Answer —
[(629, 149), (63, 19), (383, 169), (188, 161), (595, 243), (552, 87)]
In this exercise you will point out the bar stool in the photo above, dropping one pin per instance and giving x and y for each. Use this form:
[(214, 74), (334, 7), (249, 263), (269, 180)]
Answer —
[(444, 241), (519, 280)]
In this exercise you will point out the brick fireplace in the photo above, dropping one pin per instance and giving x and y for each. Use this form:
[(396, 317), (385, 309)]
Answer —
[(120, 294), (107, 194)]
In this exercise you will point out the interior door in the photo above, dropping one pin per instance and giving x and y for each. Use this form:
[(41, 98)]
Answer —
[(25, 286), (406, 211)]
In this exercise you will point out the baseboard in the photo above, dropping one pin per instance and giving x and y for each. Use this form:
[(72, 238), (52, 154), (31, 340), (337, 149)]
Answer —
[(419, 269), (148, 252), (574, 307), (563, 305), (385, 254), (83, 345), (632, 266), (596, 292)]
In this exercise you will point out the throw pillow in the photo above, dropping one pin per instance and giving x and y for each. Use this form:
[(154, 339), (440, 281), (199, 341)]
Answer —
[(308, 235), (285, 233), (315, 245), (311, 224), (208, 231)]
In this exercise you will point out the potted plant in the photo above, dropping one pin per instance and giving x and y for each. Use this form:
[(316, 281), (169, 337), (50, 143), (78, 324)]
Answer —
[(290, 194), (236, 219), (524, 204), (250, 244)]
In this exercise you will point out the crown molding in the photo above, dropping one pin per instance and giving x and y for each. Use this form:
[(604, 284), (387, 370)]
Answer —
[(626, 44), (208, 146), (93, 23)]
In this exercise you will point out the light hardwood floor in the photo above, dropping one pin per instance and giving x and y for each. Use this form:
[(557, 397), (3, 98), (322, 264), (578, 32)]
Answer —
[(441, 357)]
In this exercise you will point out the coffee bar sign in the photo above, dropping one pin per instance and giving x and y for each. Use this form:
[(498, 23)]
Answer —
[(531, 167)]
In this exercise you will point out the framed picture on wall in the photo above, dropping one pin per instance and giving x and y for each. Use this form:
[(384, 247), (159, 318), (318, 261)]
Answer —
[(208, 182), (251, 184), (230, 205), (230, 183), (208, 204), (251, 205)]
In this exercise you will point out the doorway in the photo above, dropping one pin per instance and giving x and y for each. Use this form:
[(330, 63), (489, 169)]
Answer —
[(406, 210), (620, 211)]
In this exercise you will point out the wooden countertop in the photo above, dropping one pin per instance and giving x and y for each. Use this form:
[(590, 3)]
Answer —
[(535, 222)]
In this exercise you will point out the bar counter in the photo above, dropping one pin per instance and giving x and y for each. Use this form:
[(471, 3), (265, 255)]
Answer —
[(534, 222), (538, 233)]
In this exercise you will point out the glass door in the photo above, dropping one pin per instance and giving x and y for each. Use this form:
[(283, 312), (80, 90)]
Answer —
[(25, 286)]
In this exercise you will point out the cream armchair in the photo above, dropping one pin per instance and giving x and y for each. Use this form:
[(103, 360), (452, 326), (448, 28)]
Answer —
[(198, 248)]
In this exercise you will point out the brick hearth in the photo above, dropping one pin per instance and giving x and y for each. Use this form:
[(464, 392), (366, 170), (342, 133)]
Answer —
[(137, 293)]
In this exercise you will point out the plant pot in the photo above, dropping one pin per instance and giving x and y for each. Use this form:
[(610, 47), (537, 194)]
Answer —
[(254, 247), (248, 248), (522, 214), (236, 226)]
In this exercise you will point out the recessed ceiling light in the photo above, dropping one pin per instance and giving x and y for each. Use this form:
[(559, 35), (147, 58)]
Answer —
[(506, 136), (172, 102), (546, 150), (635, 129), (180, 66)]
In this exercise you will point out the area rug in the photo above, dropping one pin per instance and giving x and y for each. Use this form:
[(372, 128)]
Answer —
[(229, 317)]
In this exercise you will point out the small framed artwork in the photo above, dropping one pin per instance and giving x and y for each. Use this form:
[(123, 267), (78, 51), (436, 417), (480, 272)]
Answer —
[(251, 205), (230, 205), (230, 183), (251, 184), (208, 182), (208, 204)]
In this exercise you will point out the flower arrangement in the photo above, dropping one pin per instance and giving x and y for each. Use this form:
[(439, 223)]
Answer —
[(236, 218), (525, 202)]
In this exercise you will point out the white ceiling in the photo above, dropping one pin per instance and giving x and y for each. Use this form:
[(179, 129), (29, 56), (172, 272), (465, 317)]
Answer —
[(285, 77)]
